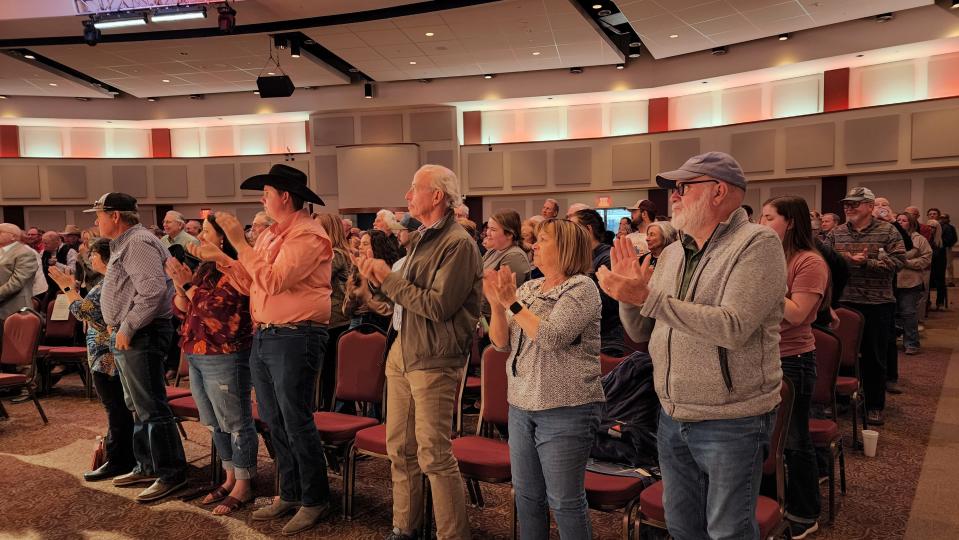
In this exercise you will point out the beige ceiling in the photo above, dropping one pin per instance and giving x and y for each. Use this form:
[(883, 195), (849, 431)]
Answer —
[(703, 24), (508, 36), (22, 79), (192, 66)]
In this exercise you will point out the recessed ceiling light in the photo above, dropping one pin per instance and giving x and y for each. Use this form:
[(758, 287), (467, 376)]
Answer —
[(634, 55), (705, 82), (271, 73), (536, 53), (488, 76), (3, 97), (165, 80), (29, 57), (151, 99), (52, 84), (430, 34), (783, 37), (412, 62), (620, 66), (257, 92), (673, 36), (860, 55), (597, 6)]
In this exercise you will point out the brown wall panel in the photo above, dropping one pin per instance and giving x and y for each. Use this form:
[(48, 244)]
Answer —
[(485, 170), (673, 153), (219, 180), (631, 162), (431, 126), (940, 192), (170, 181), (572, 166), (935, 134), (248, 170), (897, 190), (810, 146), (325, 168), (872, 140), (517, 205), (440, 157), (20, 181), (67, 181), (527, 168), (331, 131), (381, 129), (807, 192), (130, 179), (755, 150)]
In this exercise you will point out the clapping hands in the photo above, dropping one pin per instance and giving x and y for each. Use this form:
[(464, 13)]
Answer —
[(627, 280), (499, 287)]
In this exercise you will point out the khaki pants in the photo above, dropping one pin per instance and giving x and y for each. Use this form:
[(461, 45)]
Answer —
[(419, 419)]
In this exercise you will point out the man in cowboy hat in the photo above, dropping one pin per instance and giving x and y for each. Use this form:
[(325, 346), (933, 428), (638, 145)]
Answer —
[(71, 236), (287, 275)]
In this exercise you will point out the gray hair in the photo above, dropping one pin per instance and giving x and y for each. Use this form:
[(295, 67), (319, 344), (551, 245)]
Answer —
[(445, 180), (670, 234), (834, 217), (463, 211), (12, 229), (265, 217), (130, 218), (176, 216), (554, 202), (389, 217)]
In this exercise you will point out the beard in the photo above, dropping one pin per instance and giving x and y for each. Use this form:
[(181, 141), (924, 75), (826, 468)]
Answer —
[(691, 215)]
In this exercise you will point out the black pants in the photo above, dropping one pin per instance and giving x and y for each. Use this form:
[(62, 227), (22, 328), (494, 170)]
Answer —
[(878, 319), (119, 439), (802, 480)]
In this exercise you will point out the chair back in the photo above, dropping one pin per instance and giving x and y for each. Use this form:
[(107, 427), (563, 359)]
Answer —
[(850, 334), (361, 365), (494, 407), (775, 462), (608, 363), (21, 336), (828, 359), (59, 332), (635, 346)]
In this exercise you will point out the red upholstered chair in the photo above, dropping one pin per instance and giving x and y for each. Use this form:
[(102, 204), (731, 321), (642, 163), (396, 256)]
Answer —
[(608, 363), (360, 377), (633, 346), (770, 513), (59, 347), (472, 384), (849, 383), (825, 431), (175, 391), (607, 493), (21, 334)]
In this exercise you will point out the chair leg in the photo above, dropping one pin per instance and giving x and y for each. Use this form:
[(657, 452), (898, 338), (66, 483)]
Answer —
[(512, 514), (347, 473), (426, 529), (469, 492), (215, 475), (832, 482), (628, 519), (842, 467), (3, 412), (480, 503), (179, 426), (36, 402)]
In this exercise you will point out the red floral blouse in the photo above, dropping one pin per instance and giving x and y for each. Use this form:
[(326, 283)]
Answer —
[(218, 319)]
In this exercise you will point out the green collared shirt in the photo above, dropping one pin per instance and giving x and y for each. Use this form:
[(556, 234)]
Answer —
[(693, 255)]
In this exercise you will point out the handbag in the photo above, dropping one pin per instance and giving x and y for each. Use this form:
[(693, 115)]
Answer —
[(99, 454)]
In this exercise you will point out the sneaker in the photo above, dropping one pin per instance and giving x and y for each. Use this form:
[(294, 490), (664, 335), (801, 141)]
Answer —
[(397, 534), (798, 531), (912, 351), (875, 418)]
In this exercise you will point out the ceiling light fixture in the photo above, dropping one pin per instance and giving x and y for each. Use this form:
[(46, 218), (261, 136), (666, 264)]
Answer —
[(884, 17), (430, 34), (635, 44), (165, 80), (121, 20), (178, 13), (719, 51), (488, 76), (197, 96), (597, 6), (29, 57), (604, 12), (955, 4), (256, 92), (83, 99), (536, 53), (368, 90), (151, 99), (576, 70), (620, 66), (634, 55), (271, 73), (52, 84), (294, 49), (3, 97), (784, 37), (280, 42), (673, 36), (91, 36), (412, 62), (226, 20)]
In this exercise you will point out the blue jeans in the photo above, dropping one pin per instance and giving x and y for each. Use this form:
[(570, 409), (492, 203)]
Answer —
[(711, 475), (284, 363), (156, 442), (221, 388), (802, 481), (548, 451), (907, 315)]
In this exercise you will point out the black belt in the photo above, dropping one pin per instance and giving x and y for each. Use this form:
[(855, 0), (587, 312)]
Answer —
[(290, 326)]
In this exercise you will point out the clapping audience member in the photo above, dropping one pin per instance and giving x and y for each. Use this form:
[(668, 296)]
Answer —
[(553, 373), (361, 304), (287, 276), (341, 267), (909, 283), (807, 285), (625, 227), (216, 338), (118, 442), (193, 227), (937, 271), (502, 242), (174, 226), (659, 234)]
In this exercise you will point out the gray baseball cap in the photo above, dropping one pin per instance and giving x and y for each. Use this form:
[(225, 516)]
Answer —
[(860, 194), (718, 165)]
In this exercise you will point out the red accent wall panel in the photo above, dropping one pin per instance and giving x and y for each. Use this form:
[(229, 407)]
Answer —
[(162, 147), (472, 127), (9, 141), (658, 115), (836, 90)]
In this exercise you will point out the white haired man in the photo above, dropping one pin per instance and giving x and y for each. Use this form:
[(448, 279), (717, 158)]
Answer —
[(18, 270), (550, 209), (385, 221), (175, 228), (439, 290), (575, 207)]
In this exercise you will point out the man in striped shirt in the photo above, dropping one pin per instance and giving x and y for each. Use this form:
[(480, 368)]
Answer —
[(875, 252), (137, 305)]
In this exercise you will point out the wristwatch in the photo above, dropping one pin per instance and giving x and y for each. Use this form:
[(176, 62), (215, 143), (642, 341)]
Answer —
[(516, 307), (186, 287), (67, 289)]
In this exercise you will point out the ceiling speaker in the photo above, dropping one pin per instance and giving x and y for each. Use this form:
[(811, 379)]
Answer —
[(275, 86)]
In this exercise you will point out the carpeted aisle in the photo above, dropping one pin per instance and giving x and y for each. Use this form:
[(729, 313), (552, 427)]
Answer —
[(42, 494)]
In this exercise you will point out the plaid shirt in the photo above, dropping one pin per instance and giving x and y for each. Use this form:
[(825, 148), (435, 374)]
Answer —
[(136, 289), (871, 283)]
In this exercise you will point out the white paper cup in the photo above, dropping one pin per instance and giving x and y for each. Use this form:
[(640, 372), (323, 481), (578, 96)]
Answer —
[(869, 440)]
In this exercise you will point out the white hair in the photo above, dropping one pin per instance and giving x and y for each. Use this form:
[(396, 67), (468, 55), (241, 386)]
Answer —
[(388, 217), (538, 218), (176, 216), (462, 211), (576, 207), (264, 217), (12, 229), (445, 180)]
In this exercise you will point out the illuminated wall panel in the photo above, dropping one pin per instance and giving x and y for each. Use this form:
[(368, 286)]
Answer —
[(943, 76), (628, 117), (218, 141), (254, 140), (882, 84), (794, 97), (185, 142), (743, 104), (290, 138), (584, 121), (692, 111), (128, 143), (499, 127), (546, 124), (41, 142), (87, 143)]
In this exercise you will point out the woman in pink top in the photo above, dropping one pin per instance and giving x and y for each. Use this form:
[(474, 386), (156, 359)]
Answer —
[(807, 281)]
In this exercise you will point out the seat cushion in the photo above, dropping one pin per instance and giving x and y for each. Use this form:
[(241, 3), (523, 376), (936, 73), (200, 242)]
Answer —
[(767, 515), (823, 431), (12, 379), (61, 353), (605, 491), (184, 407), (651, 502), (44, 350), (846, 386), (176, 392), (372, 439), (473, 383), (338, 427), (483, 458)]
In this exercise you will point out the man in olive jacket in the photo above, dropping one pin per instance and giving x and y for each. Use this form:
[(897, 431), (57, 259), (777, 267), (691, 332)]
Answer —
[(439, 290)]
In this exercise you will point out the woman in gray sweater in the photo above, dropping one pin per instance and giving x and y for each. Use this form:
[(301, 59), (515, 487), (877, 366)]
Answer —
[(553, 373), (503, 238)]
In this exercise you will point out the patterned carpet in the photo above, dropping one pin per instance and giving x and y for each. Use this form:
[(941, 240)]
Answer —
[(43, 495)]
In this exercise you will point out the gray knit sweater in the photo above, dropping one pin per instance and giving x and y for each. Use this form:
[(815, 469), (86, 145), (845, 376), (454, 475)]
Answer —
[(716, 351)]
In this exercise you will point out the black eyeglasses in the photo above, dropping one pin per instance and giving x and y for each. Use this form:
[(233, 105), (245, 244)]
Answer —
[(681, 188), (851, 204)]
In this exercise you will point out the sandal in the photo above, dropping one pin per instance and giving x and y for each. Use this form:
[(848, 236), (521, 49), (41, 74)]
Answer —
[(217, 495), (232, 505)]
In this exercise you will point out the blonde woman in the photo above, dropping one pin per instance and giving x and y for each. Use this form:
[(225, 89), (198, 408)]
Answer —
[(342, 266)]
